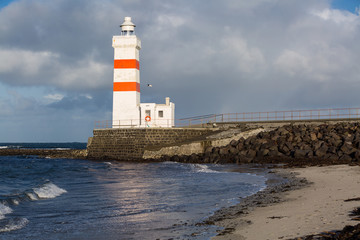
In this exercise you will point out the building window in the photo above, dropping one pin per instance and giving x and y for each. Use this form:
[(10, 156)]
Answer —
[(147, 113), (161, 114)]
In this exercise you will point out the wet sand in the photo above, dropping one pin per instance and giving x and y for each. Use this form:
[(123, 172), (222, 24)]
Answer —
[(312, 209)]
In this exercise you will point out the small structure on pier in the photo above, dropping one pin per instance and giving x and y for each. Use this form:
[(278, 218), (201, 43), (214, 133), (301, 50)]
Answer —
[(128, 112)]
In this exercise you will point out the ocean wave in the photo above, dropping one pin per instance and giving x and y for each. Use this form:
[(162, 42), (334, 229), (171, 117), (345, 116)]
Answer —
[(31, 196), (49, 190), (12, 224), (203, 168), (10, 147), (4, 210), (45, 191)]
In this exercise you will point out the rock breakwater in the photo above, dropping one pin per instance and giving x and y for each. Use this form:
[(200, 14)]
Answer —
[(51, 153), (295, 145)]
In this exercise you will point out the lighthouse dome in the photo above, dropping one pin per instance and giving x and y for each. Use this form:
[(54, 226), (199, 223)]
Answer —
[(127, 27)]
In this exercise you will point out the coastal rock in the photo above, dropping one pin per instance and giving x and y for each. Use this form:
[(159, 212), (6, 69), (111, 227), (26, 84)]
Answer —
[(298, 153), (292, 144)]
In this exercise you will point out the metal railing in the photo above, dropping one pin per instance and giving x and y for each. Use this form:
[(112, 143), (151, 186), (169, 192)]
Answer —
[(291, 115)]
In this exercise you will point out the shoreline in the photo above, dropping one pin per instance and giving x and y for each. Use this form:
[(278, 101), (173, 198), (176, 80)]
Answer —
[(310, 202), (279, 182)]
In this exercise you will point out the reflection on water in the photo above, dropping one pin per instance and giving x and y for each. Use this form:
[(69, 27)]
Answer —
[(131, 200)]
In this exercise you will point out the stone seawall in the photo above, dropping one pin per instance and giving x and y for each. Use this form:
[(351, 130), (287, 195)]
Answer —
[(298, 145), (130, 144)]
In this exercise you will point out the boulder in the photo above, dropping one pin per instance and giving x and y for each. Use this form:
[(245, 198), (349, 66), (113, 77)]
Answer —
[(246, 160), (309, 154), (321, 152), (356, 155), (193, 158), (208, 149), (274, 153), (313, 136), (332, 149), (250, 154), (298, 153), (284, 149), (297, 139), (233, 143), (214, 158), (347, 137), (234, 151), (318, 145), (262, 153), (240, 146), (319, 135), (215, 150), (331, 157), (345, 158), (347, 148), (224, 151)]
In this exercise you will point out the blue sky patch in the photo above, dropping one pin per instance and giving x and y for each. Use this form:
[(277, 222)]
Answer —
[(4, 3), (349, 5)]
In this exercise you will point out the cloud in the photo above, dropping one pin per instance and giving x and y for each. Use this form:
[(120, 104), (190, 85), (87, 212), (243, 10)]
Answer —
[(30, 68), (25, 62), (337, 16), (209, 58), (54, 97)]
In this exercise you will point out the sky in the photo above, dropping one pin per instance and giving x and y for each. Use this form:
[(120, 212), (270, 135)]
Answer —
[(56, 59)]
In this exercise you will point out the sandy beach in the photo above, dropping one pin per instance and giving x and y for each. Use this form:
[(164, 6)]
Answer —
[(316, 208)]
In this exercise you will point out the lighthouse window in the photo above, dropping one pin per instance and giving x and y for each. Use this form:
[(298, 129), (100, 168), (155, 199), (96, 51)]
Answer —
[(127, 33), (147, 113), (161, 114)]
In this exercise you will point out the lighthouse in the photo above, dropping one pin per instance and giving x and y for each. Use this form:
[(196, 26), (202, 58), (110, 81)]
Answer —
[(128, 112), (126, 89)]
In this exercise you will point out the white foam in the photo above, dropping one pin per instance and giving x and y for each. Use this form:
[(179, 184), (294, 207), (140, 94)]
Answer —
[(203, 169), (49, 190), (3, 147), (32, 196), (14, 225), (4, 210)]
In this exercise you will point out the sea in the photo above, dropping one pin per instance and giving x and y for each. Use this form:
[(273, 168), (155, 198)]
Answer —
[(42, 198)]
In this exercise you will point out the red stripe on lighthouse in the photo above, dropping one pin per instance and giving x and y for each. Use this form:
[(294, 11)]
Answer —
[(126, 63), (126, 86)]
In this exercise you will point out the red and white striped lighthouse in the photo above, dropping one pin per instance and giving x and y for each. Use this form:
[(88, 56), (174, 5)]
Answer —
[(126, 90)]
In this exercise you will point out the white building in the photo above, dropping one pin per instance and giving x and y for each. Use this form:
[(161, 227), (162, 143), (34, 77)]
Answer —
[(127, 109)]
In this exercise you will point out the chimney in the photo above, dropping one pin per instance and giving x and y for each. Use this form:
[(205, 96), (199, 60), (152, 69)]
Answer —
[(167, 101)]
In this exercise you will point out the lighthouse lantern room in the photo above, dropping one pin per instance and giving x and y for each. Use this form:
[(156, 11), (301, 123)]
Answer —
[(127, 109)]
